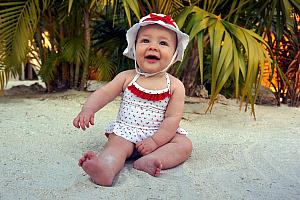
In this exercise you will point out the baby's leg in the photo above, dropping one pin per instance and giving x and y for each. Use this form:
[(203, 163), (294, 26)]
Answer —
[(104, 167), (167, 156)]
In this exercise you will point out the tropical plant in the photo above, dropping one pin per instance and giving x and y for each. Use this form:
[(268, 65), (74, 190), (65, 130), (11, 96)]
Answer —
[(63, 50), (18, 22), (288, 57), (109, 38), (235, 52), (275, 21)]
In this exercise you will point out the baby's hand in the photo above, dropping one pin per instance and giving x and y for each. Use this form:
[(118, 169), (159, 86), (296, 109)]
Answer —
[(146, 146), (84, 119)]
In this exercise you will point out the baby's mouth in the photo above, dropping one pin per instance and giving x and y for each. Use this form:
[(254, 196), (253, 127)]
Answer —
[(152, 57)]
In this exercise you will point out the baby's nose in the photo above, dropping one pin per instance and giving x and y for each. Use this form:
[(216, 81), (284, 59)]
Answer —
[(153, 47)]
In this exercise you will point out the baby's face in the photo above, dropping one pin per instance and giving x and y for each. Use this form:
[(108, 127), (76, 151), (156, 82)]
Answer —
[(155, 47)]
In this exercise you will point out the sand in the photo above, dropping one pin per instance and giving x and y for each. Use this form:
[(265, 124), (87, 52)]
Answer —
[(234, 156)]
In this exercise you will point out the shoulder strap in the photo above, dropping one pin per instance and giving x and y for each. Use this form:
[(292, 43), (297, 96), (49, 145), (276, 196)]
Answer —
[(134, 79), (168, 81)]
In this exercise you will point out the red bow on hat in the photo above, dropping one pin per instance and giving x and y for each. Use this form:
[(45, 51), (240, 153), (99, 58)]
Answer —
[(167, 19)]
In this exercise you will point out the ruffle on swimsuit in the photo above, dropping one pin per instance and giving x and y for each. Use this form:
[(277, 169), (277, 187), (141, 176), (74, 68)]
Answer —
[(154, 97)]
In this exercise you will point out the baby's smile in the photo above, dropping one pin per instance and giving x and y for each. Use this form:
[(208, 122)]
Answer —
[(152, 58)]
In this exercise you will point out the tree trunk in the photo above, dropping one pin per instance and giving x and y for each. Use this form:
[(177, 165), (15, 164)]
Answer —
[(52, 86), (87, 41), (77, 71), (191, 72), (71, 80), (29, 72), (65, 66)]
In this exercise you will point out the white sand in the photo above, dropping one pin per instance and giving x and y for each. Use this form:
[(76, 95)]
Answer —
[(234, 157)]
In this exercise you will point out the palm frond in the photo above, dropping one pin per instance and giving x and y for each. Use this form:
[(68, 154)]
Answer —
[(47, 70), (17, 26), (296, 5), (73, 49), (131, 5), (18, 21), (103, 66), (235, 52)]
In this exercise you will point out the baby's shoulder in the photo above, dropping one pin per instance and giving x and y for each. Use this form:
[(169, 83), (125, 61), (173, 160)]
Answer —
[(175, 81), (126, 73), (126, 76), (176, 84)]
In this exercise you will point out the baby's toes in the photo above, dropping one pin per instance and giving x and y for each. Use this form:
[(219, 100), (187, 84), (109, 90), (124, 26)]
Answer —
[(81, 160), (90, 154)]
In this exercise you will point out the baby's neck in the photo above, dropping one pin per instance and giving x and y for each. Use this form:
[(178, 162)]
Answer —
[(156, 82), (158, 75)]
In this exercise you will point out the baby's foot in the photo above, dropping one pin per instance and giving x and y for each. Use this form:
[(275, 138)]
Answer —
[(150, 165), (93, 166)]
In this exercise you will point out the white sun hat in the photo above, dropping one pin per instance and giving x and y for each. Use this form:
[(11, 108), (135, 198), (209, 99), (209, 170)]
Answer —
[(165, 21)]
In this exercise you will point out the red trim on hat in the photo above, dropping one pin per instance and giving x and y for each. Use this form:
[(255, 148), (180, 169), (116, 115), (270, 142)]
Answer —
[(144, 95), (167, 19)]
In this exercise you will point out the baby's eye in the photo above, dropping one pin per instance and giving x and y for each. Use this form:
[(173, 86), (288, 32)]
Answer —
[(163, 43), (145, 41)]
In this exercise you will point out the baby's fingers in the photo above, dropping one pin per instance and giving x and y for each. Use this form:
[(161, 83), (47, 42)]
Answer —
[(82, 122), (145, 151), (76, 122), (137, 144), (89, 120), (141, 148), (92, 120)]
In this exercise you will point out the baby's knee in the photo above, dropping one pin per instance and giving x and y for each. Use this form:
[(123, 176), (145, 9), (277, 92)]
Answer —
[(187, 146)]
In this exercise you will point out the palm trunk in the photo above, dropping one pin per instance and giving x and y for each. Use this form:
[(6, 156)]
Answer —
[(77, 71), (71, 80), (87, 44), (190, 72), (51, 84), (65, 66)]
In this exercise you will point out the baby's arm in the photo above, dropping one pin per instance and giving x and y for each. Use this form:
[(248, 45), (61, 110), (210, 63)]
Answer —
[(168, 128), (98, 100), (173, 115)]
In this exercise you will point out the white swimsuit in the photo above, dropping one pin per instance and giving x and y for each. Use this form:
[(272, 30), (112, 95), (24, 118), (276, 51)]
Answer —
[(141, 112)]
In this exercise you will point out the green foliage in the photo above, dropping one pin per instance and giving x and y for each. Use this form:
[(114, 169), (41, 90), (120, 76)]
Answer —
[(109, 39), (18, 24), (235, 52), (48, 69), (72, 50), (104, 67)]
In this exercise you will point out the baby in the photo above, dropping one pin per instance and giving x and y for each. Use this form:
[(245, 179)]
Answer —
[(151, 108)]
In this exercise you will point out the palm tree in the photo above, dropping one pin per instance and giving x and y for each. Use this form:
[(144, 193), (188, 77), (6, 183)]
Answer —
[(14, 36), (65, 61), (282, 32)]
